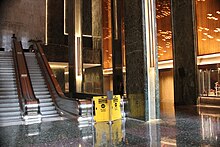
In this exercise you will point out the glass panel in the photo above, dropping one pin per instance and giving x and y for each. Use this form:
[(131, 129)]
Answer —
[(164, 33), (61, 73), (208, 26), (209, 80), (214, 87)]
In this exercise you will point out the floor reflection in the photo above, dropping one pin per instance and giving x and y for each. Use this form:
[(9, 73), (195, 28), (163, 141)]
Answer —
[(188, 126), (210, 124)]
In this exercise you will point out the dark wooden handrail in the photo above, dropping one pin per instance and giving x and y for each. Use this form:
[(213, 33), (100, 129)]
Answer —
[(53, 79), (53, 85), (67, 105), (25, 83), (21, 100)]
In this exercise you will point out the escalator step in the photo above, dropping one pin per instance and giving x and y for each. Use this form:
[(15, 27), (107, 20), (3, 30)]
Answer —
[(43, 96), (11, 109), (41, 93), (8, 96), (8, 100), (6, 114), (46, 104), (6, 105)]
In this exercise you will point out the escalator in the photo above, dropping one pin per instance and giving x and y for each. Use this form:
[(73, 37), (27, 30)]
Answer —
[(47, 108), (29, 91), (9, 103), (77, 108)]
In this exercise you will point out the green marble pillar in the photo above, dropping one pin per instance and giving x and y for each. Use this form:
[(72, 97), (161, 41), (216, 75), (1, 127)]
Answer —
[(141, 59), (184, 52)]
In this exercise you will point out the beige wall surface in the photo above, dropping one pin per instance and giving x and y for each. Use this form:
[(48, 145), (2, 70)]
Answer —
[(166, 86)]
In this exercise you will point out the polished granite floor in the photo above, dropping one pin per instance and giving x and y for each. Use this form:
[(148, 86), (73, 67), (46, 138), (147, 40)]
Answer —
[(183, 126)]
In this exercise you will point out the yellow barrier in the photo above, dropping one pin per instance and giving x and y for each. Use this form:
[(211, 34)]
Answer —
[(107, 134), (101, 109), (107, 110), (116, 109)]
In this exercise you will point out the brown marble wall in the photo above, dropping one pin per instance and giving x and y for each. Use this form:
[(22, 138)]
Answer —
[(25, 18), (56, 53), (87, 17), (96, 18), (185, 69), (93, 80), (71, 47), (117, 47), (59, 74), (55, 21), (91, 52)]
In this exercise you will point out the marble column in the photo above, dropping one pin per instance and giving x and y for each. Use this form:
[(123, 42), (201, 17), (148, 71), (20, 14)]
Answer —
[(71, 49), (87, 17), (184, 52), (141, 60), (116, 8)]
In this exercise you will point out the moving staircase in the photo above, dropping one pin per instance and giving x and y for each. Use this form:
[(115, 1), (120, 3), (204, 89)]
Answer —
[(9, 103), (47, 108), (29, 90)]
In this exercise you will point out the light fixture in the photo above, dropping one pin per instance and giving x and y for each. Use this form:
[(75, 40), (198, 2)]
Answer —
[(46, 23), (209, 36), (65, 33)]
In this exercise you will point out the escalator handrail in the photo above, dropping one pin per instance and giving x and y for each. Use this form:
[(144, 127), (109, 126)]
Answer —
[(25, 83), (49, 71), (52, 80), (19, 91)]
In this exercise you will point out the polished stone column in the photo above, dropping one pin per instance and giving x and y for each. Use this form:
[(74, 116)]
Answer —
[(141, 60), (71, 50), (184, 52), (86, 17), (116, 8)]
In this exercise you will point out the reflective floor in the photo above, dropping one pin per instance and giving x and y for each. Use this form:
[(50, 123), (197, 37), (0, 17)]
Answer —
[(183, 126)]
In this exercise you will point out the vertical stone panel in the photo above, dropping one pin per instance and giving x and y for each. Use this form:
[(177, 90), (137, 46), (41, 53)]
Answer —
[(117, 46), (141, 59), (55, 22), (96, 18), (87, 17), (71, 44), (135, 58), (185, 66)]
